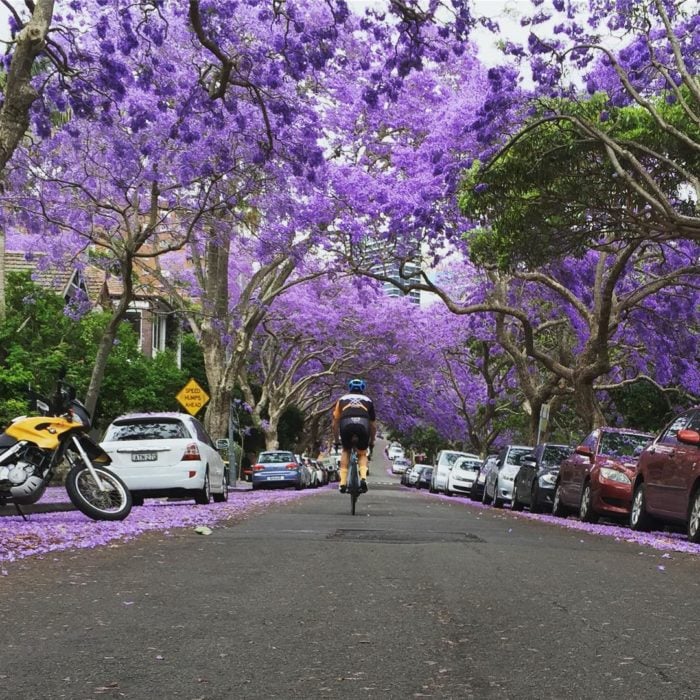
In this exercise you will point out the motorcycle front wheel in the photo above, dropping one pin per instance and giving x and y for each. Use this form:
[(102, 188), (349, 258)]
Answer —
[(114, 503)]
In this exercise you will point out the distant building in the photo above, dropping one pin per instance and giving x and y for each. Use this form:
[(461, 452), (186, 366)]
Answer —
[(382, 260), (411, 273)]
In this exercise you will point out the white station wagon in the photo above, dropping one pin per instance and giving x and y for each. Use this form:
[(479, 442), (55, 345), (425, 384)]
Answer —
[(166, 454)]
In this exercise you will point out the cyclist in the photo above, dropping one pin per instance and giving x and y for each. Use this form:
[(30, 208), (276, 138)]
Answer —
[(354, 417)]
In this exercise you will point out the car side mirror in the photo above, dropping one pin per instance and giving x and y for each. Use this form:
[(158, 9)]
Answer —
[(688, 437), (584, 451)]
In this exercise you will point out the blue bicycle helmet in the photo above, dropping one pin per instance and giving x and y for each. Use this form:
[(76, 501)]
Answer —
[(357, 385)]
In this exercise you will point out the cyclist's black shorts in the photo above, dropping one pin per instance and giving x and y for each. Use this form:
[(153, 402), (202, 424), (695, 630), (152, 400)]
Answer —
[(354, 428)]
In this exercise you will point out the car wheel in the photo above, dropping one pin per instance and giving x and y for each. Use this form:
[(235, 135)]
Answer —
[(516, 505), (640, 520), (586, 513), (496, 502), (559, 510), (223, 496), (535, 505), (203, 496), (694, 518)]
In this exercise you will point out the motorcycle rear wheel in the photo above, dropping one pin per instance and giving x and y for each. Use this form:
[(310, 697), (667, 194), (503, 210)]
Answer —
[(112, 504)]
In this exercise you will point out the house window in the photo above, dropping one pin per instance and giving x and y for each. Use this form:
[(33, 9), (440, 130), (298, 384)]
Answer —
[(160, 327), (133, 318)]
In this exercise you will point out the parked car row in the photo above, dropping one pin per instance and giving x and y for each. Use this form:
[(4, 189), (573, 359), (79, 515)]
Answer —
[(275, 468), (418, 475), (616, 473)]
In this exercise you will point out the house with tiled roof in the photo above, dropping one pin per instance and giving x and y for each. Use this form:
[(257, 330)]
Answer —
[(152, 317)]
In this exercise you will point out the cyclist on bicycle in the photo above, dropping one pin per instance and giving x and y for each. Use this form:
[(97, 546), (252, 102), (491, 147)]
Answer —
[(354, 419)]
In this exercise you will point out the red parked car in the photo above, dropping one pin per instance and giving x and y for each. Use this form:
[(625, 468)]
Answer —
[(597, 478), (667, 484)]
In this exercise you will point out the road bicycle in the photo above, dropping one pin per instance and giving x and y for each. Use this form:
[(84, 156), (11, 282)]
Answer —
[(353, 485), (353, 482)]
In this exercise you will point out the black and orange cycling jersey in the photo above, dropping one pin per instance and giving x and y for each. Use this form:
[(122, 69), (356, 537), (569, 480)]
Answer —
[(354, 406)]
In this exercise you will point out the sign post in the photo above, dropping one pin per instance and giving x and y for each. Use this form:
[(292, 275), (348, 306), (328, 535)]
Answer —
[(544, 421), (192, 397)]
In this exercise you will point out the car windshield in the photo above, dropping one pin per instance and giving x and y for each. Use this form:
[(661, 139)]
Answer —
[(621, 444), (515, 454), (554, 455), (469, 464), (275, 457), (150, 429), (449, 458)]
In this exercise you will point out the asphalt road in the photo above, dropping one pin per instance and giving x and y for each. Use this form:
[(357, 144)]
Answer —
[(415, 597)]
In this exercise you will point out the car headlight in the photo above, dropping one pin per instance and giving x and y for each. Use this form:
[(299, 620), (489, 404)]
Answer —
[(548, 480), (614, 475)]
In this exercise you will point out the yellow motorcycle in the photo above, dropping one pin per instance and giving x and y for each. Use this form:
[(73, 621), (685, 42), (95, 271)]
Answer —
[(32, 448)]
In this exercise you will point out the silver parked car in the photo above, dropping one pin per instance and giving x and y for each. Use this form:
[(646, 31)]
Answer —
[(166, 454), (498, 487)]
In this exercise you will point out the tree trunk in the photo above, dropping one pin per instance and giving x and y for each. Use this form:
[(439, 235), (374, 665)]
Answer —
[(98, 371), (534, 422), (216, 418), (218, 409), (587, 405), (19, 95), (270, 430)]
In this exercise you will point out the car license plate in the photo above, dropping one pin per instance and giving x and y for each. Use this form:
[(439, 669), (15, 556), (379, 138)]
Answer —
[(144, 457), (275, 478)]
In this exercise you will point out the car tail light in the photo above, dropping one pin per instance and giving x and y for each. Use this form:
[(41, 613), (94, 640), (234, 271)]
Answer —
[(258, 468), (292, 466), (191, 453)]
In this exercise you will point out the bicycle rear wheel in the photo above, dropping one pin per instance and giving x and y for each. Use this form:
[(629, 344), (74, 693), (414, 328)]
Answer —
[(353, 502)]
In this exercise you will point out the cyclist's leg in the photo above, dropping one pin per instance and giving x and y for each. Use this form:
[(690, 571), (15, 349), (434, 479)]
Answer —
[(344, 463), (362, 445), (346, 433), (362, 463)]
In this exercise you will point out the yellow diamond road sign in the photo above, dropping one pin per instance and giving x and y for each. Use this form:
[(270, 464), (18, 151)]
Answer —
[(192, 397)]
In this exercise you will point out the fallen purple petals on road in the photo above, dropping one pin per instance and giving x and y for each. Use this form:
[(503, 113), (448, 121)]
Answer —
[(662, 541), (44, 533)]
